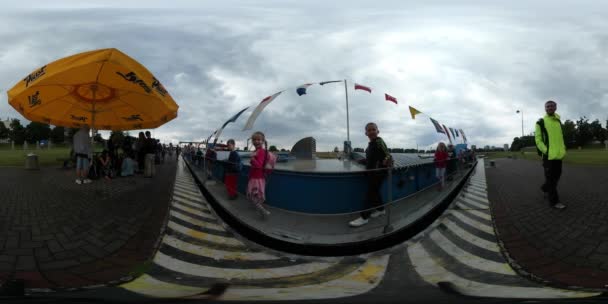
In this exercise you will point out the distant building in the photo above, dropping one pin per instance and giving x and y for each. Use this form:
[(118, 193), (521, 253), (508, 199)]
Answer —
[(6, 122), (473, 147), (486, 147), (506, 147)]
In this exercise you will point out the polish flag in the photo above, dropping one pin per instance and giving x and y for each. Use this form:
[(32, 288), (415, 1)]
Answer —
[(362, 87), (390, 98)]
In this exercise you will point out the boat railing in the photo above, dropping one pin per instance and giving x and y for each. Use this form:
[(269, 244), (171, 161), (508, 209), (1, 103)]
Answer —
[(459, 169)]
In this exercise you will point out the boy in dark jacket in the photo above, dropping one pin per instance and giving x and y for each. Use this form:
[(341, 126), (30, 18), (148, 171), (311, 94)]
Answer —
[(376, 157), (232, 171)]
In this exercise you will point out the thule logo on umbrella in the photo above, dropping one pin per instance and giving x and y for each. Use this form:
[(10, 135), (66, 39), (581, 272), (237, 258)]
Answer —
[(34, 76), (158, 87), (132, 77), (79, 118), (34, 99), (133, 118)]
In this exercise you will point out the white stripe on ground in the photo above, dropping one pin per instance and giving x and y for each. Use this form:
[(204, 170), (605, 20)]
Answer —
[(180, 266), (191, 197), (480, 214), (475, 187), (475, 196), (199, 206), (215, 253), (472, 222), (192, 211), (196, 222), (186, 183), (149, 286), (189, 191), (360, 281), (474, 204), (477, 192), (477, 184), (471, 238), (204, 236), (433, 273), (469, 259), (186, 180)]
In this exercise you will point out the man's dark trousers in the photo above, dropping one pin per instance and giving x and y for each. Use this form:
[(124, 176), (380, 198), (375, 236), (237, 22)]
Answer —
[(553, 171), (373, 197)]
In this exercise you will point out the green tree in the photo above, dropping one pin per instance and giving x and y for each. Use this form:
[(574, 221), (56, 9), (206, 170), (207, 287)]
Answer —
[(569, 132), (36, 131), (584, 134), (598, 132), (4, 131), (58, 135), (17, 132), (273, 149), (358, 150), (516, 145)]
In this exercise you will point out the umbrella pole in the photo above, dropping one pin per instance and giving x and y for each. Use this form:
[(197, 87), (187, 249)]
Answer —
[(94, 90)]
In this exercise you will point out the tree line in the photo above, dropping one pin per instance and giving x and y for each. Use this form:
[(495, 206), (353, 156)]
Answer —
[(36, 131), (576, 134)]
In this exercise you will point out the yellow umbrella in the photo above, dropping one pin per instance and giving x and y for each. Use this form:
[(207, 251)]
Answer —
[(105, 89)]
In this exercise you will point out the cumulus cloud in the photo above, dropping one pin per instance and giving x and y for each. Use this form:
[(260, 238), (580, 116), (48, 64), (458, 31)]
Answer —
[(470, 66)]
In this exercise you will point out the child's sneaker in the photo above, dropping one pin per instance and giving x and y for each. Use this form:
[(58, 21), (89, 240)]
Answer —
[(263, 210), (378, 213), (358, 222), (87, 181), (78, 181)]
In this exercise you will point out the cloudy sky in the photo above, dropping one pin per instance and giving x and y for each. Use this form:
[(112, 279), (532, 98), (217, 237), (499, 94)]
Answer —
[(469, 65)]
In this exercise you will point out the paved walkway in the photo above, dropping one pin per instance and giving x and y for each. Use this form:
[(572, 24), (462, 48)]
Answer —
[(55, 233), (461, 248), (563, 247)]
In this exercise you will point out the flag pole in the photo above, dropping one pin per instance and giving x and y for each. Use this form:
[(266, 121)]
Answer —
[(347, 118)]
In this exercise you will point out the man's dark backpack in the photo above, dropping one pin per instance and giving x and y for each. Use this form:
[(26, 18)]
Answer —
[(543, 131)]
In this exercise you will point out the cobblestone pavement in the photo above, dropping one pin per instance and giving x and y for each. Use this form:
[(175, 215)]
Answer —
[(55, 233), (563, 247)]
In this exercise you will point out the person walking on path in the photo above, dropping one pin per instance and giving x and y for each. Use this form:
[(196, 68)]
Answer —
[(84, 153), (441, 159), (150, 153), (550, 143), (376, 157), (256, 187), (233, 167)]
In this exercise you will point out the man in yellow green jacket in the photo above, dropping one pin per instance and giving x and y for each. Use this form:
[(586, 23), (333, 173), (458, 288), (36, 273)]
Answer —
[(550, 142)]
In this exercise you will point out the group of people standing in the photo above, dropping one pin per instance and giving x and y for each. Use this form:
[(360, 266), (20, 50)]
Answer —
[(110, 163)]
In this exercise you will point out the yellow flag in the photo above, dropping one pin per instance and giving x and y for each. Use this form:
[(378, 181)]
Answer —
[(414, 112)]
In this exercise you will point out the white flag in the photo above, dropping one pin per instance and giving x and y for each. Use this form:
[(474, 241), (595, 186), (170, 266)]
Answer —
[(254, 115)]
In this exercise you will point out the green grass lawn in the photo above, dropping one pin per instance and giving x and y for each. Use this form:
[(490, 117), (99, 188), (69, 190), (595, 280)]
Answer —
[(582, 157), (46, 157)]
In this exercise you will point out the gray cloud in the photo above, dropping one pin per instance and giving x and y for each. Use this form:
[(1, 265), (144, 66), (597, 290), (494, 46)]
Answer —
[(469, 66)]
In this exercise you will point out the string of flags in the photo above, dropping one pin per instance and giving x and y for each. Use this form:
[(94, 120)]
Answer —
[(451, 133)]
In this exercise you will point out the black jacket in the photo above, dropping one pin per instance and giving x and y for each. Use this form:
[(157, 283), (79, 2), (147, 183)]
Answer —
[(376, 153)]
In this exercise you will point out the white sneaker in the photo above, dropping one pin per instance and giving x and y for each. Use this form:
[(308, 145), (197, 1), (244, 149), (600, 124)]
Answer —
[(263, 211), (559, 206), (378, 213), (358, 222), (87, 181), (78, 181)]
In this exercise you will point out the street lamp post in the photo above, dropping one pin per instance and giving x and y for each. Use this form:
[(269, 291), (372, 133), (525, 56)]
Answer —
[(522, 122)]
